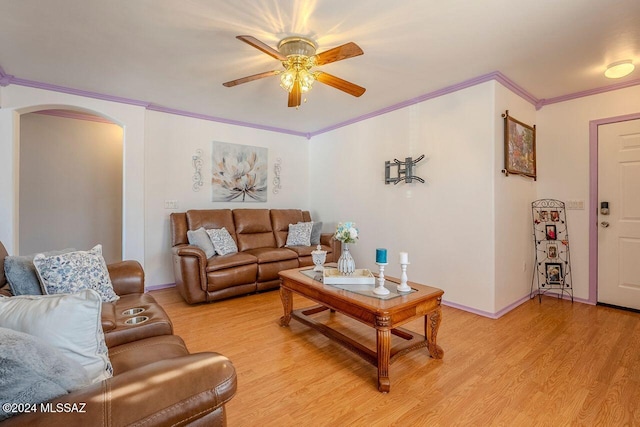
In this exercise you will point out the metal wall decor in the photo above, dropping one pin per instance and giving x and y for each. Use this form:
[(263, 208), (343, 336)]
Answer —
[(404, 171), (552, 269), (277, 167), (196, 161)]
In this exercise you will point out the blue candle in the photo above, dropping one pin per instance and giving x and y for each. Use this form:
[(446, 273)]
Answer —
[(381, 256)]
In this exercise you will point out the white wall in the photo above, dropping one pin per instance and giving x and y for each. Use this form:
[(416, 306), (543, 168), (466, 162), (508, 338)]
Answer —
[(70, 185), (171, 142), (563, 163), (446, 224), (514, 255), (17, 100)]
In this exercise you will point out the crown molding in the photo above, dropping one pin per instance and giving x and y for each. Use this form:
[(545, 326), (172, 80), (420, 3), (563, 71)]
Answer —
[(8, 79)]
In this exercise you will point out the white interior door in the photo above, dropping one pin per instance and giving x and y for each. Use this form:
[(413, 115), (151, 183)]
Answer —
[(619, 232)]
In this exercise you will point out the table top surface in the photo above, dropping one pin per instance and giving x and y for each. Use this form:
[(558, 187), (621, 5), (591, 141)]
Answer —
[(313, 288)]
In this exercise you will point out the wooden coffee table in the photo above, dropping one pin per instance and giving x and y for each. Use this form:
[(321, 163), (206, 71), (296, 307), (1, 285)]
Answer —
[(385, 316)]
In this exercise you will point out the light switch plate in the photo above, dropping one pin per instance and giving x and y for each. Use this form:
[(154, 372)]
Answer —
[(171, 204), (575, 204)]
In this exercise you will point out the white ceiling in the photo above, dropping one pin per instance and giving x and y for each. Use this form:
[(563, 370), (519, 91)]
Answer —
[(177, 53)]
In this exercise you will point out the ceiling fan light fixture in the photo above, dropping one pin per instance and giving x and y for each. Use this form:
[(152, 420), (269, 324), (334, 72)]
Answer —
[(287, 79), (619, 69)]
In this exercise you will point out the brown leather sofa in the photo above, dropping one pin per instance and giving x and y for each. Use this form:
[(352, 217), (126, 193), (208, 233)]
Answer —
[(156, 382), (260, 234)]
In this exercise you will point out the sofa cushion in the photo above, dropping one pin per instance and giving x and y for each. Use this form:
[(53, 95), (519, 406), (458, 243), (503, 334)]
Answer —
[(32, 371), (143, 352), (71, 323), (229, 261), (299, 234), (222, 241), (211, 218), (22, 274), (306, 250), (280, 220), (253, 229), (74, 271), (201, 239), (267, 255)]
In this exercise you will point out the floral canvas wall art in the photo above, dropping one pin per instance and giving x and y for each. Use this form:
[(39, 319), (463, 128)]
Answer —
[(239, 173)]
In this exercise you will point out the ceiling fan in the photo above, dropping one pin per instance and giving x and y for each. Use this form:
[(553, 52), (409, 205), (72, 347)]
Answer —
[(298, 57)]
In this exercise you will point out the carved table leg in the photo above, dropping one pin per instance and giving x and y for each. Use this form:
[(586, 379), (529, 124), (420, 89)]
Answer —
[(383, 343), (431, 325), (287, 304)]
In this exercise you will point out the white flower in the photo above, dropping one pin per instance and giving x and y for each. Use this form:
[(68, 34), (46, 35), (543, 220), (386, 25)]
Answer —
[(353, 233), (346, 232)]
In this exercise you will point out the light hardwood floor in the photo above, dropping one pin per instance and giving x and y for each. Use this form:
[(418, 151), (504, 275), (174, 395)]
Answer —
[(549, 364)]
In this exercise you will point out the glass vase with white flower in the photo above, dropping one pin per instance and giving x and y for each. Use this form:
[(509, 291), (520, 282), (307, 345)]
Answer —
[(346, 233)]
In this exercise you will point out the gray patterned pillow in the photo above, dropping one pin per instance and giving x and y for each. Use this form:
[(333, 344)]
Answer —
[(201, 239), (21, 273), (74, 271), (222, 241), (299, 234)]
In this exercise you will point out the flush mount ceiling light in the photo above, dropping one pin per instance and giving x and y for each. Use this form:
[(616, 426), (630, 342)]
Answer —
[(298, 57), (619, 69)]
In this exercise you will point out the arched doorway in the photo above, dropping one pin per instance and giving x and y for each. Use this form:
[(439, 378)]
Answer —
[(70, 182)]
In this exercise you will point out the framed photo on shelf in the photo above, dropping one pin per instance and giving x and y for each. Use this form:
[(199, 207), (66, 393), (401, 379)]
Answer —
[(544, 216), (554, 272), (519, 147), (552, 251), (555, 216), (550, 232)]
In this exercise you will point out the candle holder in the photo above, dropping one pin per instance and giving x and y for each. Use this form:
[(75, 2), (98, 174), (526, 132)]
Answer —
[(403, 287), (380, 289)]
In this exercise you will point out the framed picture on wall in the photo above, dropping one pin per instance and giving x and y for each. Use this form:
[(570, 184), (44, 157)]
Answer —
[(555, 216), (554, 272), (550, 232), (552, 251), (519, 147)]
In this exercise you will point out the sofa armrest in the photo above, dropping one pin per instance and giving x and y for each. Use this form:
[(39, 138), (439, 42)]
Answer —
[(169, 392), (189, 269), (336, 247), (127, 277)]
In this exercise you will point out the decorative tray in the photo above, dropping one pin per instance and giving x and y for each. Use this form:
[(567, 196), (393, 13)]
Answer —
[(361, 276)]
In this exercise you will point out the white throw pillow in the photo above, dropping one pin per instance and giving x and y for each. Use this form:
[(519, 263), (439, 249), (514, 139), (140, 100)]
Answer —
[(71, 323), (74, 271), (222, 241), (299, 234)]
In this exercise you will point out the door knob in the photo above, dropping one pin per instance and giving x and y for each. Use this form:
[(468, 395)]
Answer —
[(604, 224)]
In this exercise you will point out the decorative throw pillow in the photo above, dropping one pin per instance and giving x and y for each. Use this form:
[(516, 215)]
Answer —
[(201, 239), (74, 271), (316, 231), (222, 241), (299, 234), (71, 323), (32, 371), (21, 273)]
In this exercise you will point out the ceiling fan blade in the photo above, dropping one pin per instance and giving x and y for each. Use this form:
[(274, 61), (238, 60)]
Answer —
[(338, 83), (250, 78), (339, 53), (262, 47), (295, 96)]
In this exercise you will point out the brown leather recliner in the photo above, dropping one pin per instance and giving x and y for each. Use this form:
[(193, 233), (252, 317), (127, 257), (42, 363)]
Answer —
[(260, 235), (156, 381)]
